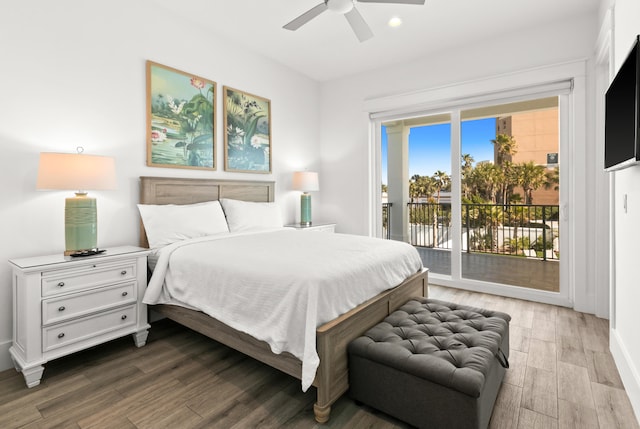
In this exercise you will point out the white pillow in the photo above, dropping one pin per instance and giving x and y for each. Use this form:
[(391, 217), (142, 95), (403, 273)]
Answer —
[(245, 215), (168, 223)]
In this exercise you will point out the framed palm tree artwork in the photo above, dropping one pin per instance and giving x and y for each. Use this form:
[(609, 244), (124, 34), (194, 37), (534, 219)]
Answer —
[(247, 132), (181, 119)]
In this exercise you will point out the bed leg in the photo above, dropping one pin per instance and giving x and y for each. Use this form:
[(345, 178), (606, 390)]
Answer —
[(321, 413)]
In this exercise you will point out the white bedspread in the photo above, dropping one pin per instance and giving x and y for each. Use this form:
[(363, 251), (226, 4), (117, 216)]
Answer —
[(279, 285)]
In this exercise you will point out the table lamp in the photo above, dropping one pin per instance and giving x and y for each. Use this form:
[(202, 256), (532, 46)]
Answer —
[(305, 181), (78, 172)]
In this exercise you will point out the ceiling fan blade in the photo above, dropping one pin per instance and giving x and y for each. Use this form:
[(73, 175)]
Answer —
[(358, 24), (394, 1), (306, 17)]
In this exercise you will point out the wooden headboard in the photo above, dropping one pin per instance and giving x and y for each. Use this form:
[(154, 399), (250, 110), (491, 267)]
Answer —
[(169, 190)]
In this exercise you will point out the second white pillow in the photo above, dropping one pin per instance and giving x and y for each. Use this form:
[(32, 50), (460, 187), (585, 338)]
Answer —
[(246, 216)]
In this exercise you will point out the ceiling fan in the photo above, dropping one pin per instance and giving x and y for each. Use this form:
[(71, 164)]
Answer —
[(348, 9)]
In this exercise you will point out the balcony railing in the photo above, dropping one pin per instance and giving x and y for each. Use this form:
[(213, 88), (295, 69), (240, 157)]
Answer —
[(386, 220), (517, 230)]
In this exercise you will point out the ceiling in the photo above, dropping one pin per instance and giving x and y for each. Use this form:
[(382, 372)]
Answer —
[(326, 48)]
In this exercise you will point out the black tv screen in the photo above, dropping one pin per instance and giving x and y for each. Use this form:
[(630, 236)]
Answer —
[(622, 140)]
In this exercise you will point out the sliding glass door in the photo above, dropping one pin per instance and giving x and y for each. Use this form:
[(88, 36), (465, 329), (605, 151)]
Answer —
[(417, 186), (510, 194), (477, 191)]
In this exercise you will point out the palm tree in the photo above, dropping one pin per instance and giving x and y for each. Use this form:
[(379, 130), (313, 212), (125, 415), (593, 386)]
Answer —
[(467, 167), (493, 218), (441, 180), (531, 177), (553, 179), (506, 147), (414, 187), (420, 186), (486, 177), (508, 180)]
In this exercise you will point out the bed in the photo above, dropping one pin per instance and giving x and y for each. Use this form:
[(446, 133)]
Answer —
[(331, 337)]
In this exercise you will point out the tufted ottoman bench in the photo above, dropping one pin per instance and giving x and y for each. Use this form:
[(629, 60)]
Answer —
[(432, 364)]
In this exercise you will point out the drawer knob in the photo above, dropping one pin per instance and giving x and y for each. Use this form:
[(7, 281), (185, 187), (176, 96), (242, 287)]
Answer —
[(60, 284), (125, 293), (123, 272), (61, 335), (63, 308), (124, 316)]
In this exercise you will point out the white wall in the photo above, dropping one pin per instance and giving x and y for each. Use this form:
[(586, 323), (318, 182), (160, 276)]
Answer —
[(73, 74), (625, 341)]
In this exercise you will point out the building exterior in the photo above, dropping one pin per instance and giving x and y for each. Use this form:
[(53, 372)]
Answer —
[(536, 135)]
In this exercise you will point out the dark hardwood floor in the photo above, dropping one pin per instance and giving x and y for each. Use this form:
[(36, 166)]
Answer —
[(561, 375)]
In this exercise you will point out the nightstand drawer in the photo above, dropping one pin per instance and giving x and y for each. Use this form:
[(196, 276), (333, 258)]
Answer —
[(58, 336), (86, 277), (69, 306)]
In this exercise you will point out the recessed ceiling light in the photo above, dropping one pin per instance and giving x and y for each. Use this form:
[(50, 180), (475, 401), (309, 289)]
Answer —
[(395, 22)]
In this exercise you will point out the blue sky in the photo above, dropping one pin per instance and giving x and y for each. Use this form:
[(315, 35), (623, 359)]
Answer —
[(429, 147)]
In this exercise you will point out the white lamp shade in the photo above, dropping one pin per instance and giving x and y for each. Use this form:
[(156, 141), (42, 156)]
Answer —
[(75, 171), (305, 181)]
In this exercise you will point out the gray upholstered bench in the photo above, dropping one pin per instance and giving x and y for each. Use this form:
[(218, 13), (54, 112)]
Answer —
[(432, 364)]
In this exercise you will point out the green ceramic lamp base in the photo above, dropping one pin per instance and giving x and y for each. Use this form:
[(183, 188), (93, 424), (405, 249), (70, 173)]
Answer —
[(305, 209), (80, 224)]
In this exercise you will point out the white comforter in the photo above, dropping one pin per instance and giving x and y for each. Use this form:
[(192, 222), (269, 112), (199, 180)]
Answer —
[(279, 285)]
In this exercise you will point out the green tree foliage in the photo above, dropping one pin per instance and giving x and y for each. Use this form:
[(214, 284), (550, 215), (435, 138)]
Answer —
[(553, 179), (421, 187), (485, 179), (466, 170), (489, 202), (441, 181), (506, 147), (531, 177)]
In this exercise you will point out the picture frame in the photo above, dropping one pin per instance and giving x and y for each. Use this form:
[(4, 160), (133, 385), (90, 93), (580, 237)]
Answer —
[(247, 132), (181, 119)]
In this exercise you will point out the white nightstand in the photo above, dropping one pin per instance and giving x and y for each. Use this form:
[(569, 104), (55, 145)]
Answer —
[(62, 305), (318, 227)]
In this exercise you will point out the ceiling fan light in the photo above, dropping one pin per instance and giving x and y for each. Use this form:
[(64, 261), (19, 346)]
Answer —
[(395, 22), (340, 6)]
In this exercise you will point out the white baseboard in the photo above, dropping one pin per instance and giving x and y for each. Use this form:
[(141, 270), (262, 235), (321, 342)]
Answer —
[(627, 369), (5, 357)]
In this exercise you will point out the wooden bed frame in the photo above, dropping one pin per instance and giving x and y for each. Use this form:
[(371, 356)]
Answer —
[(332, 338)]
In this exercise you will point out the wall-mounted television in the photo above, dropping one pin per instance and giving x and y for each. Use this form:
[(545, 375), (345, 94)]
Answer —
[(622, 114)]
